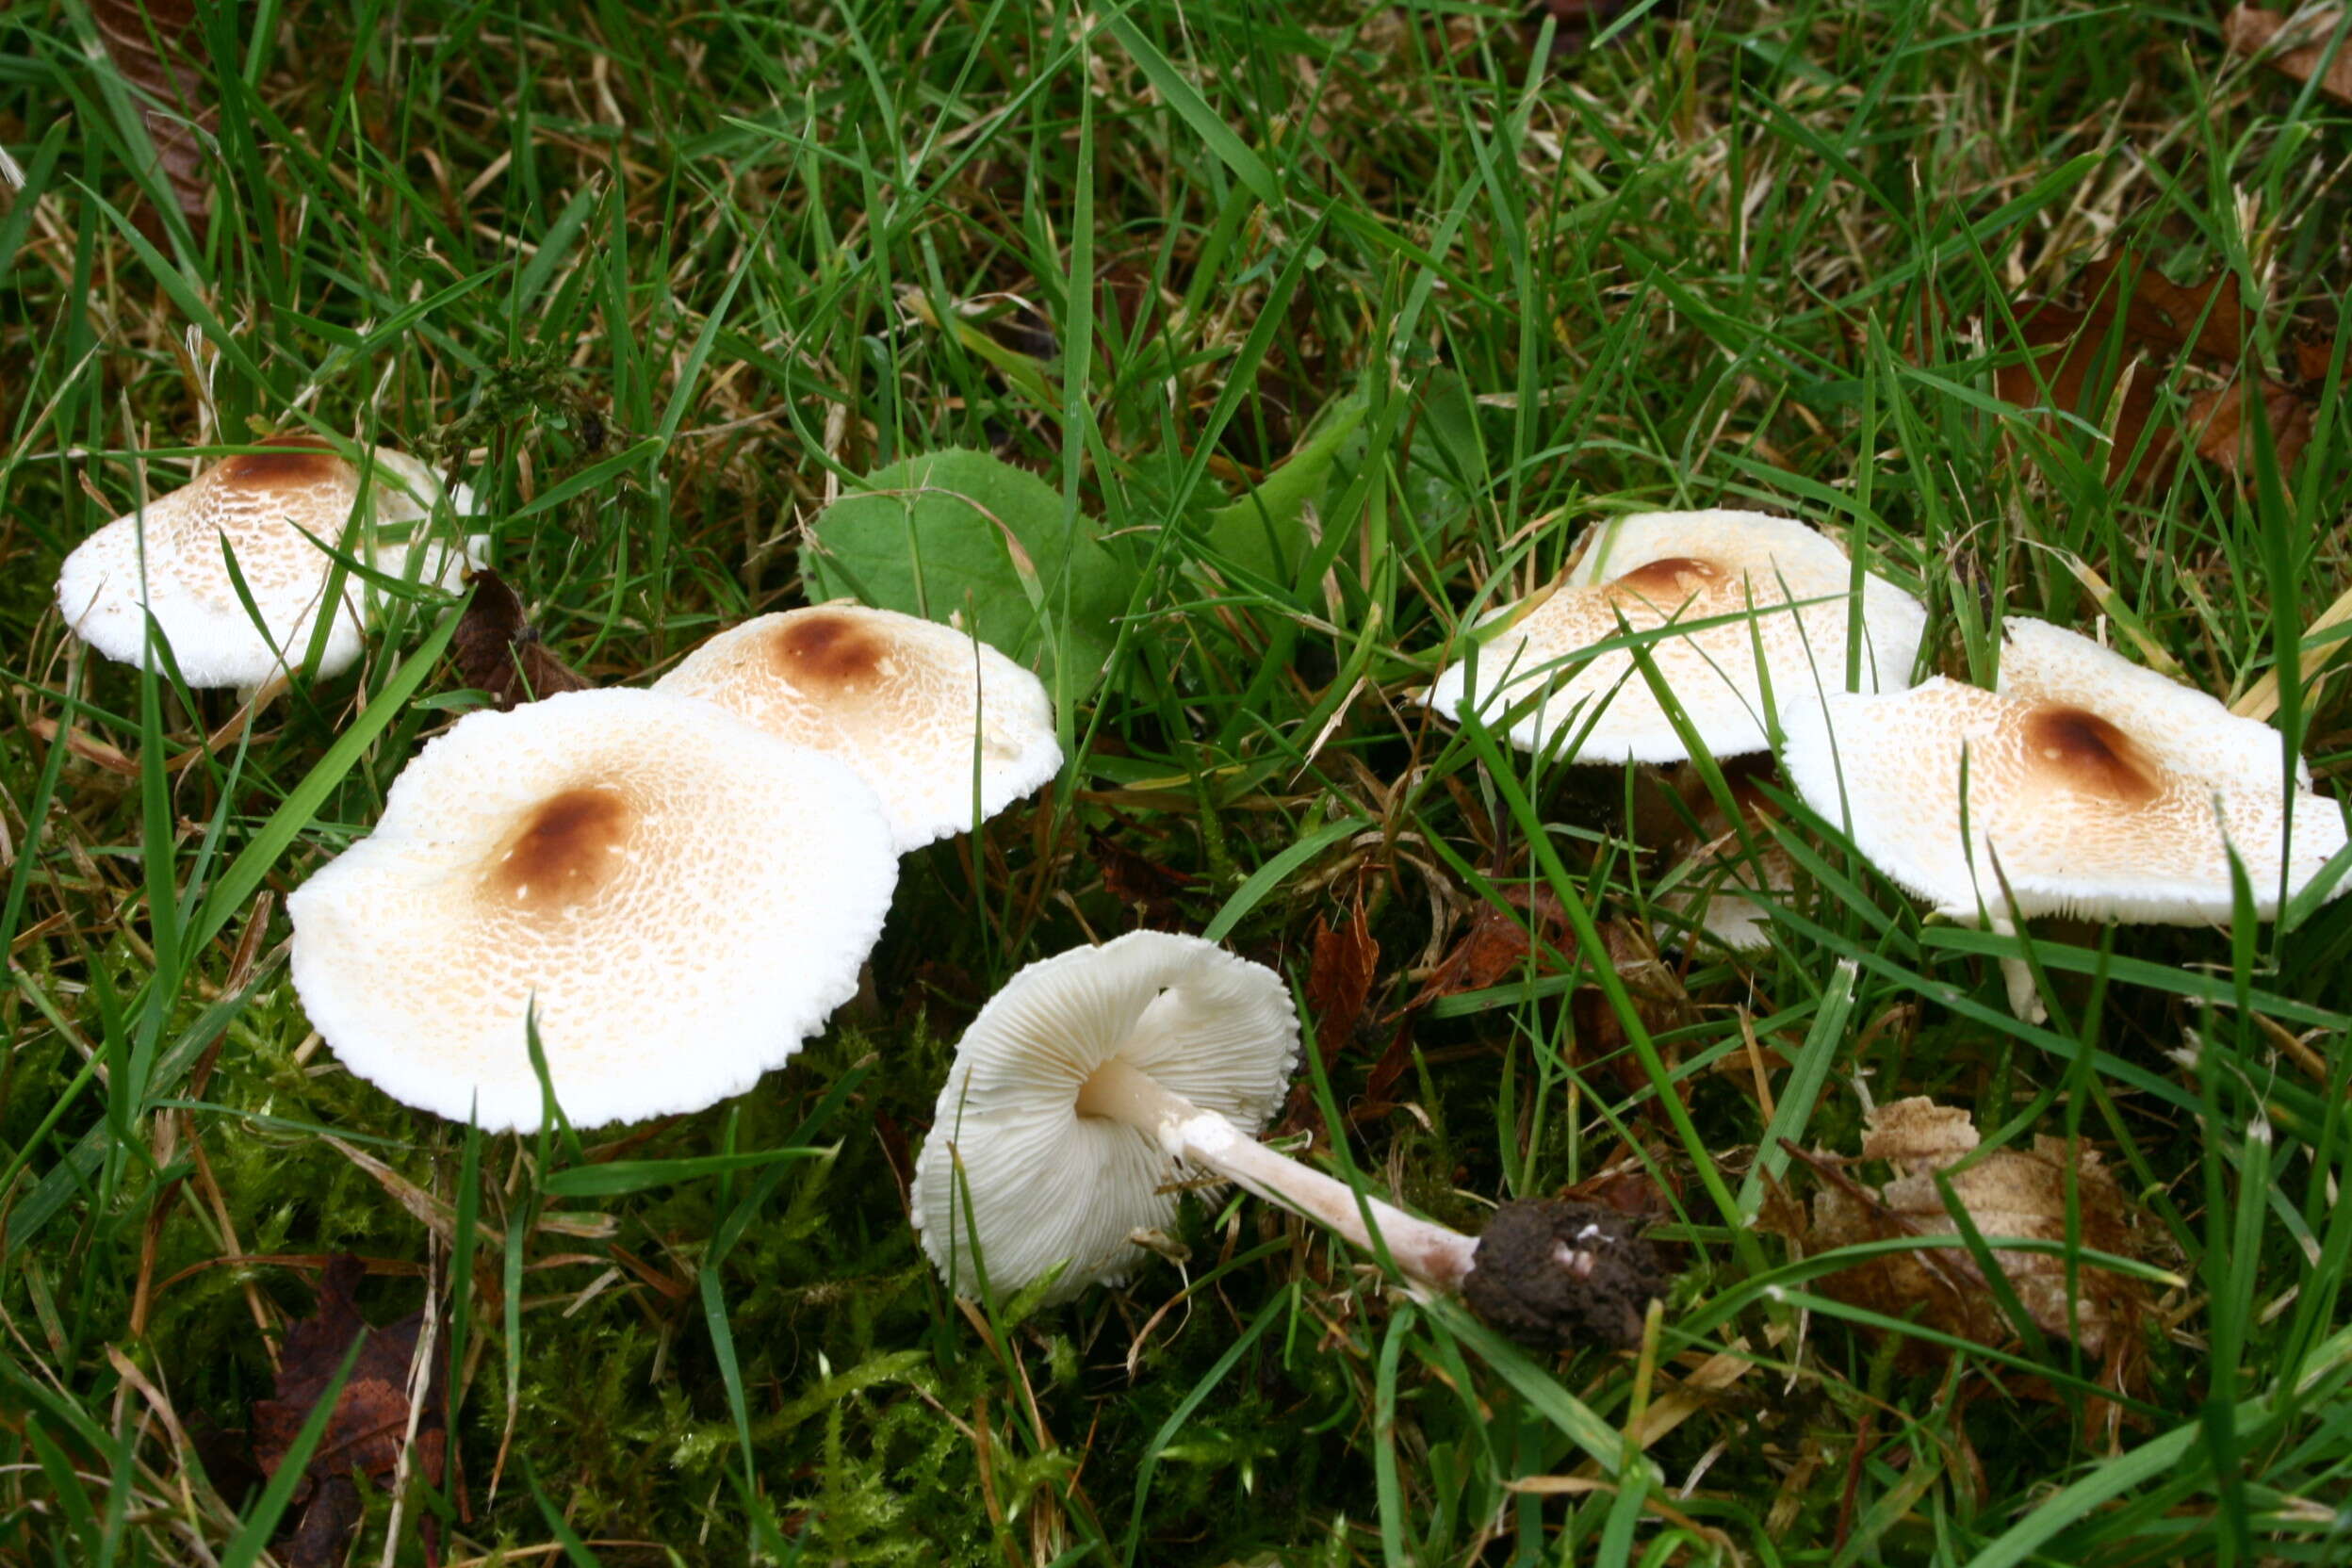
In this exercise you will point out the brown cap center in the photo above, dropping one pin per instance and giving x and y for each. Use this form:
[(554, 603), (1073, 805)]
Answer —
[(294, 460), (568, 846), (2074, 749), (827, 653), (1668, 580)]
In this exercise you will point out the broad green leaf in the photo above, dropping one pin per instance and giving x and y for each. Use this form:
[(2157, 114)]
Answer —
[(1271, 518), (960, 533)]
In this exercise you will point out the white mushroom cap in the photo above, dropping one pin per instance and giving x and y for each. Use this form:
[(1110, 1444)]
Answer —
[(905, 701), (1046, 1183), (684, 898), (1654, 567), (262, 503), (2105, 790)]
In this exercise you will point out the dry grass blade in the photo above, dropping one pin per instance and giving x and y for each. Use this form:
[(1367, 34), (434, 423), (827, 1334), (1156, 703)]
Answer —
[(153, 44)]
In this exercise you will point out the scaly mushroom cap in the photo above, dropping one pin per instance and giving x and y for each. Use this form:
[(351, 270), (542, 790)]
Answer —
[(2105, 790), (1046, 1184), (903, 700), (261, 504), (684, 898), (1656, 567)]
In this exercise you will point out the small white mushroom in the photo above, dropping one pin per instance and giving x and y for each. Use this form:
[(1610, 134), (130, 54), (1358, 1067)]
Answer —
[(1719, 894), (260, 505), (1787, 588), (910, 704), (1095, 1082), (681, 899), (2099, 789)]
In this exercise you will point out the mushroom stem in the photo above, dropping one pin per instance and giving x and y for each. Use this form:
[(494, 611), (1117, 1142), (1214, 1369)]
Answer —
[(1431, 1254), (2025, 998)]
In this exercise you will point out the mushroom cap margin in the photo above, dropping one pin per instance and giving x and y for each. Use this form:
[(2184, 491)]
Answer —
[(1047, 1184)]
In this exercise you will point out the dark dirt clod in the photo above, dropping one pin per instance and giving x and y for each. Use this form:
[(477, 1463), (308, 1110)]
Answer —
[(1558, 1275)]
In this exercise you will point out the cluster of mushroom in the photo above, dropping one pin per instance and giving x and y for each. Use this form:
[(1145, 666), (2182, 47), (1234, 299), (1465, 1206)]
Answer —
[(2082, 784), (671, 888), (666, 892), (661, 893)]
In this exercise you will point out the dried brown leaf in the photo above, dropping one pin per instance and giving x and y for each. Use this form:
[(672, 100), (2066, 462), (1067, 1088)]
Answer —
[(2312, 357), (2206, 319), (2251, 30), (156, 45), (369, 1421), (2135, 308), (2008, 1192), (496, 650), (1631, 1188), (2070, 358), (1142, 884), (1339, 980), (1380, 1086), (1650, 984), (1497, 943), (2224, 437), (1918, 1133)]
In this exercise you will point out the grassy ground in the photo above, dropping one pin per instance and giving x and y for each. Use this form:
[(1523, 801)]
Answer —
[(673, 279)]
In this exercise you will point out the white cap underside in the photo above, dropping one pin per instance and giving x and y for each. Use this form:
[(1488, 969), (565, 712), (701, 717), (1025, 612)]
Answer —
[(1046, 1184), (913, 725), (1766, 569), (755, 879), (185, 583), (1892, 766)]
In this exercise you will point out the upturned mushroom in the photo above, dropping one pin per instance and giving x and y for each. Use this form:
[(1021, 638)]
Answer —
[(1765, 599), (912, 705), (272, 509), (674, 900), (2095, 787), (1098, 1080)]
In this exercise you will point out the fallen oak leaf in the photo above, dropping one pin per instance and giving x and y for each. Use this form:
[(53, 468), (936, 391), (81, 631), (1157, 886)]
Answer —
[(496, 650), (1660, 1004), (2311, 358), (1142, 884), (1339, 980), (369, 1423), (1339, 984), (2067, 357), (2250, 30)]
